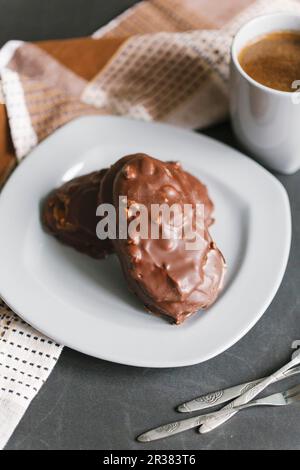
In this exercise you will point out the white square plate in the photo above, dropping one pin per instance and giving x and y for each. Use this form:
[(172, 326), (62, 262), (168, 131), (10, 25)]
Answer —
[(84, 303)]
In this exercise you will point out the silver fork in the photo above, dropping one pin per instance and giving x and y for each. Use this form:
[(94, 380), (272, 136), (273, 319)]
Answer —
[(229, 410), (222, 396), (277, 399)]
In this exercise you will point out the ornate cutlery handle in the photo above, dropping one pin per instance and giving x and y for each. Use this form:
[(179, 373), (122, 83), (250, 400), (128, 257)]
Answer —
[(216, 398), (185, 424), (170, 429), (225, 414), (222, 396)]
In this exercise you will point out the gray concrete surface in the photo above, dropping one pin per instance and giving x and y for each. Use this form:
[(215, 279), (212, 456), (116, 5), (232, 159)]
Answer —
[(92, 404)]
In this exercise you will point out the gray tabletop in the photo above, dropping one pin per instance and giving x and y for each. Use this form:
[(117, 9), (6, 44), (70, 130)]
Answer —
[(92, 404)]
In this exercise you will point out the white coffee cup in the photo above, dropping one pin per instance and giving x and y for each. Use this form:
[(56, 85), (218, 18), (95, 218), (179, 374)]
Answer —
[(265, 121)]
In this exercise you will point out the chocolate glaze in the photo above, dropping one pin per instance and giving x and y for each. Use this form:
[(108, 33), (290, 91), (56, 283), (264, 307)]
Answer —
[(69, 214), (198, 193), (168, 279), (69, 211), (197, 189)]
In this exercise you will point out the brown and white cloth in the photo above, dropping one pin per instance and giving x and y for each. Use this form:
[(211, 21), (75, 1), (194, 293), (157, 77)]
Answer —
[(164, 60)]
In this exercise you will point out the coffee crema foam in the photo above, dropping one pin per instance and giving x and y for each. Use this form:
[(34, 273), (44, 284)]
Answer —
[(273, 59)]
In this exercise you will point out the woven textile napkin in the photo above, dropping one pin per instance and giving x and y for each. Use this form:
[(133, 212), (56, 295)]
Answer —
[(164, 60)]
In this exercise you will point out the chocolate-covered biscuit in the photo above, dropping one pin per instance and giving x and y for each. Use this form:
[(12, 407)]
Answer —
[(198, 191), (69, 214), (169, 279)]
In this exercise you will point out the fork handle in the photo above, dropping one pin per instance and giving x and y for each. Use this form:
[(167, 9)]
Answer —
[(222, 396), (176, 427), (170, 429), (227, 412), (216, 398)]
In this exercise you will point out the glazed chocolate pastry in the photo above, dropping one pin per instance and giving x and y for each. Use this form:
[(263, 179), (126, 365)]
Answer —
[(169, 279), (69, 214), (198, 191)]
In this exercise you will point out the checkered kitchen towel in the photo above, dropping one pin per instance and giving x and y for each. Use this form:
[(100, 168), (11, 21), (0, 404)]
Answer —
[(164, 60)]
